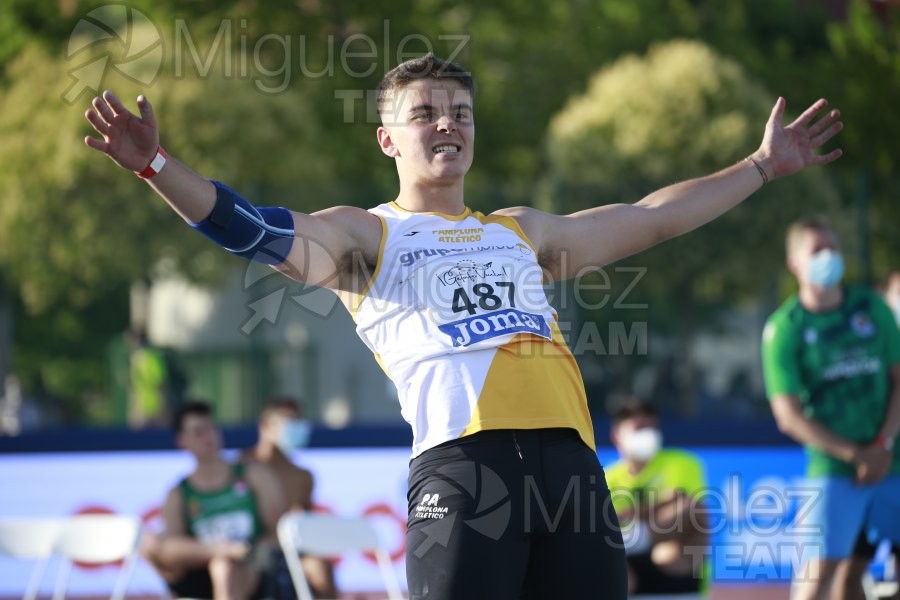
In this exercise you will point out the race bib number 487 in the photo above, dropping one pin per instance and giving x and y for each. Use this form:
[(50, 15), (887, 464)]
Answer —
[(472, 301)]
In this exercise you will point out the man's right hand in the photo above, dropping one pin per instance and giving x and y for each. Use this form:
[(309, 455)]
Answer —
[(130, 141), (872, 464)]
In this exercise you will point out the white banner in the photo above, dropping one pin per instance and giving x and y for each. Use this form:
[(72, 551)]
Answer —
[(370, 482)]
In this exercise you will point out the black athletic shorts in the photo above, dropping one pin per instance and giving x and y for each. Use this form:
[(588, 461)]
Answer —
[(651, 580), (195, 584), (512, 514)]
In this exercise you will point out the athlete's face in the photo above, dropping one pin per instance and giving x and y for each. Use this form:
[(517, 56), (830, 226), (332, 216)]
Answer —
[(809, 243), (200, 436), (428, 127)]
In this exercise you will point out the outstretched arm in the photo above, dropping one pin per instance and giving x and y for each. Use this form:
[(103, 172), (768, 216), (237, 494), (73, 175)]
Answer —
[(598, 236), (326, 239), (131, 142)]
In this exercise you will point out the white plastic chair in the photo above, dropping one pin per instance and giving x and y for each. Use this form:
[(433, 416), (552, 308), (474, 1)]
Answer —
[(330, 536), (30, 539), (887, 585), (98, 539)]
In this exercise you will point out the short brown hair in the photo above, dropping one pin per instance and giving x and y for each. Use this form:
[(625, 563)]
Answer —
[(624, 407), (197, 408), (276, 404), (427, 65), (799, 227)]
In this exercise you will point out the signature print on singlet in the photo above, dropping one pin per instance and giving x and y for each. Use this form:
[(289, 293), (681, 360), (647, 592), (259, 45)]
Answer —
[(469, 271)]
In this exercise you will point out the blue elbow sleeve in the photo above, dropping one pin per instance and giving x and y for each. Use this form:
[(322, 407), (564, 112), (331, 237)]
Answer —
[(263, 234)]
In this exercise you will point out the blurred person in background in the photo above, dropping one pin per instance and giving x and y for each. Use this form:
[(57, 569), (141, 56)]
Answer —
[(147, 405), (219, 521), (831, 361), (19, 412), (656, 492), (865, 551), (283, 430), (11, 406)]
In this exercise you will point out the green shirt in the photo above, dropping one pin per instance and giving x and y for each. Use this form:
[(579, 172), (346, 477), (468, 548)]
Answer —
[(668, 471), (228, 514), (838, 364)]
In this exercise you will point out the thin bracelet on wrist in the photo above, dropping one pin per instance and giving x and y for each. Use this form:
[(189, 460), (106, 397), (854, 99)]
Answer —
[(762, 172)]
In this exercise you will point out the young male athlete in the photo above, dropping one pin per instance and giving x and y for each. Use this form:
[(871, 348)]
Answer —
[(506, 496), (219, 520), (282, 430), (831, 360)]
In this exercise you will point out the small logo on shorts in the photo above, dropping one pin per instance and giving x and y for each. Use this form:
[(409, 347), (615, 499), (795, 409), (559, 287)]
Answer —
[(429, 508), (478, 486)]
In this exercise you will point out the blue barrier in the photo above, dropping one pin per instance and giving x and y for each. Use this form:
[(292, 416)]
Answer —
[(705, 432)]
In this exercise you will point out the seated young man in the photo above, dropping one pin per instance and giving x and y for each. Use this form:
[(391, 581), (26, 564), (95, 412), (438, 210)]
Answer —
[(219, 521), (655, 492), (282, 430)]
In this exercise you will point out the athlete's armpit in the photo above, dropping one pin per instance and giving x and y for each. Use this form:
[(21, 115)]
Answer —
[(329, 243)]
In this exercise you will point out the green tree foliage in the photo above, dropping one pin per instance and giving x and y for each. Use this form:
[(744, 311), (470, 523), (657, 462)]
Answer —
[(85, 213), (75, 229), (677, 112), (864, 77)]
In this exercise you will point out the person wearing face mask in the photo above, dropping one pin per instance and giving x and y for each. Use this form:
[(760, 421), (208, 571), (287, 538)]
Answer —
[(656, 492), (831, 362), (282, 431)]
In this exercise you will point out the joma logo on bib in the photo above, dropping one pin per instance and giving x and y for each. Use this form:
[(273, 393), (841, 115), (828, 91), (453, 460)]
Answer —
[(472, 330)]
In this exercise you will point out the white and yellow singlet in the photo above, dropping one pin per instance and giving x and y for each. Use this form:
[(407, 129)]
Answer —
[(458, 318)]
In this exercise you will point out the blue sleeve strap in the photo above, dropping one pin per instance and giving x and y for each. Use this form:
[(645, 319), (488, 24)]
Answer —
[(263, 234)]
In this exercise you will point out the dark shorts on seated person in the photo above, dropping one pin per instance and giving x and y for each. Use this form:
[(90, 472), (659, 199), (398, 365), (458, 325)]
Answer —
[(197, 584), (652, 580)]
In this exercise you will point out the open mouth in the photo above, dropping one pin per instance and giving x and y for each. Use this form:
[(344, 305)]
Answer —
[(445, 149)]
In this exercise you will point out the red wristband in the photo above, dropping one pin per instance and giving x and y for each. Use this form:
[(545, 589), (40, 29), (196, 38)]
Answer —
[(884, 442), (155, 165)]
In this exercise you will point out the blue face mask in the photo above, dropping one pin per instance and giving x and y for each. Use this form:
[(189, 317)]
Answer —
[(294, 434), (826, 268)]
